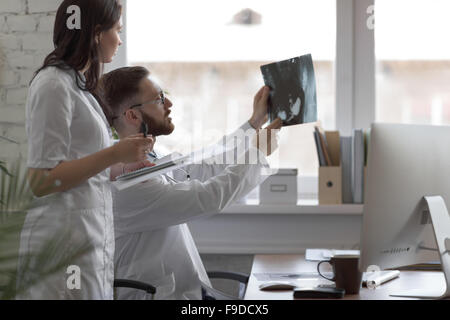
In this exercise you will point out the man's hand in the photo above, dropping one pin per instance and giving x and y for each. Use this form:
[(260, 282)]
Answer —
[(266, 139), (260, 108)]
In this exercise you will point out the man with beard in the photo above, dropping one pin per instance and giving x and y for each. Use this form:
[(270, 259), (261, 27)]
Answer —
[(153, 242)]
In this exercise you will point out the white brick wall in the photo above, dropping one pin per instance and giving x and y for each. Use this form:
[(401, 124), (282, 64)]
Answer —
[(19, 23), (26, 30), (42, 6), (12, 6)]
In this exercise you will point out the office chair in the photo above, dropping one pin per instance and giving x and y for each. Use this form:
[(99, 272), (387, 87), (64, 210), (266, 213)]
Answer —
[(208, 292), (213, 294), (138, 285)]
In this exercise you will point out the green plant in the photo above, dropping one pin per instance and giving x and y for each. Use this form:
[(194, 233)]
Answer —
[(3, 168), (15, 200), (34, 267), (15, 196), (13, 204)]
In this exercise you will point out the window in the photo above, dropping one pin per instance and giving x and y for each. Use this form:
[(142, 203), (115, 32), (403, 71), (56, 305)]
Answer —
[(207, 55), (413, 61)]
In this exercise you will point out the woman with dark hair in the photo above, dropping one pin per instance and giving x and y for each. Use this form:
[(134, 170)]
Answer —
[(69, 155)]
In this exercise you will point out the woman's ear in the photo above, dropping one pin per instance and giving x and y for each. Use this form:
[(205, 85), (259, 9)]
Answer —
[(98, 34), (98, 38)]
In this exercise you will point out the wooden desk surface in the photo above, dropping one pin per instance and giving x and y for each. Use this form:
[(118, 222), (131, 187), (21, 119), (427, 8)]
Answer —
[(297, 264)]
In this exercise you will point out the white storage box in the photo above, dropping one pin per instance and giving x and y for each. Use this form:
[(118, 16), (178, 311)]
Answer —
[(280, 188)]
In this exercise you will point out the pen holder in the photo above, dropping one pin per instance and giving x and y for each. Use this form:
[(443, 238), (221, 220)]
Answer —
[(330, 185)]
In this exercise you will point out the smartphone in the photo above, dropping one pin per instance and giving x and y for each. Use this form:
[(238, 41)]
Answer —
[(318, 293)]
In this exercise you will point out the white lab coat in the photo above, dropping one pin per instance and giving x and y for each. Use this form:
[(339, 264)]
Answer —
[(153, 242), (65, 123)]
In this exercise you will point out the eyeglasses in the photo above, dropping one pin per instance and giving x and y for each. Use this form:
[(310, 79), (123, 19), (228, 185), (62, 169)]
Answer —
[(160, 100)]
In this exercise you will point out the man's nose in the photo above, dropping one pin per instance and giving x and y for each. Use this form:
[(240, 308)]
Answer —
[(168, 104)]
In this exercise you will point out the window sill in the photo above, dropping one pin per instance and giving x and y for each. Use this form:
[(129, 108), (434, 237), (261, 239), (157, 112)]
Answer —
[(303, 207)]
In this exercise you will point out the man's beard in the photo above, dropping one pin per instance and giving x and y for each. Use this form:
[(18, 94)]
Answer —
[(156, 128)]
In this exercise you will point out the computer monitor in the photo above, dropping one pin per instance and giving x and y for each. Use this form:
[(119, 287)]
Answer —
[(405, 164)]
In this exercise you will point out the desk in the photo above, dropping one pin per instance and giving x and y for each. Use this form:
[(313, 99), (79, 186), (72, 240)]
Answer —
[(298, 264)]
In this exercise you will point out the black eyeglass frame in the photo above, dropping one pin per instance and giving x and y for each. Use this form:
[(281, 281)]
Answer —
[(161, 99)]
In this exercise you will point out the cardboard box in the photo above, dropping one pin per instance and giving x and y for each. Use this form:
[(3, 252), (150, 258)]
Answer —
[(280, 188)]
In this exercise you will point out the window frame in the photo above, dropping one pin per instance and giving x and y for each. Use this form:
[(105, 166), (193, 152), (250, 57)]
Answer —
[(354, 66)]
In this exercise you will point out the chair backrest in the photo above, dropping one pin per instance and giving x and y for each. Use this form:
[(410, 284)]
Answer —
[(133, 284)]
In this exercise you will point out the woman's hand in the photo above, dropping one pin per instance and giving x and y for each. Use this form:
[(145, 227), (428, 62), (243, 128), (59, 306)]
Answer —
[(122, 168), (260, 108), (133, 148), (69, 174)]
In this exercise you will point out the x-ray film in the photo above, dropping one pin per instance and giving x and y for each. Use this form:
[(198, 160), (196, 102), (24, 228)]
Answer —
[(293, 96)]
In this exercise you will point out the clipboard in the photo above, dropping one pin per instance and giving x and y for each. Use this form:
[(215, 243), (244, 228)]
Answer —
[(130, 179), (146, 170)]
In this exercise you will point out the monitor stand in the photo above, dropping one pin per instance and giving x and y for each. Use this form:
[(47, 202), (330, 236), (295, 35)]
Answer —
[(440, 220)]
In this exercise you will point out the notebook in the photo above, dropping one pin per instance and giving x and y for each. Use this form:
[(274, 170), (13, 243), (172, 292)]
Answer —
[(357, 166), (346, 162)]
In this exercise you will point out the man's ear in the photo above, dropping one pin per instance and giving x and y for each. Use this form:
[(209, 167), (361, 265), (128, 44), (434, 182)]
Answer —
[(132, 115)]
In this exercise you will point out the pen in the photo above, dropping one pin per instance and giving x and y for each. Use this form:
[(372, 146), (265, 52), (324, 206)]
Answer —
[(144, 129), (374, 280)]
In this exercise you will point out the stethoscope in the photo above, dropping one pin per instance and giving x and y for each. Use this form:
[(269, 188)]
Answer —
[(188, 176)]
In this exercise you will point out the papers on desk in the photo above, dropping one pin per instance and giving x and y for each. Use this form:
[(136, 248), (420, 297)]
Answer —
[(326, 254)]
